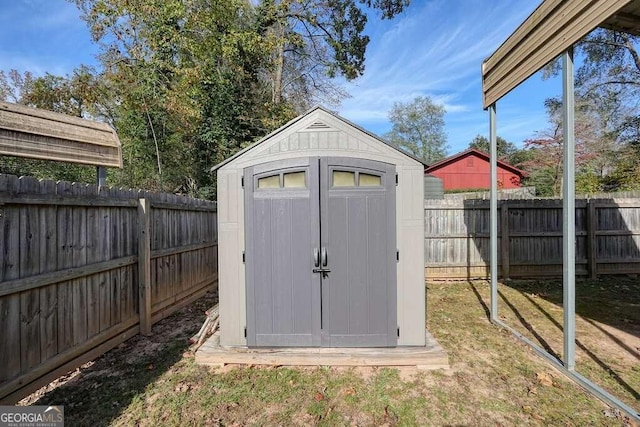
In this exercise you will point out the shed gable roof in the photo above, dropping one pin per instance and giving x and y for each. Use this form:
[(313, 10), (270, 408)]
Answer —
[(469, 152), (317, 119)]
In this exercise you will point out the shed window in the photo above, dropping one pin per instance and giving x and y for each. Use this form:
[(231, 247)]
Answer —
[(294, 180), (344, 179), (367, 180), (272, 181)]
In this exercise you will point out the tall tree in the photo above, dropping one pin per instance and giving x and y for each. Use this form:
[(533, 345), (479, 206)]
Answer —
[(418, 127), (186, 75), (608, 86), (13, 83), (545, 164), (313, 41), (197, 80), (507, 151)]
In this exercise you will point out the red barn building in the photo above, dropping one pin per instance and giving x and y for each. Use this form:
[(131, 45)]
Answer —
[(470, 169)]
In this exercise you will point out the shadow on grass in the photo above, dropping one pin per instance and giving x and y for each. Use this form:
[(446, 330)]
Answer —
[(485, 307), (529, 327), (588, 352), (602, 364), (612, 301), (101, 392), (535, 249)]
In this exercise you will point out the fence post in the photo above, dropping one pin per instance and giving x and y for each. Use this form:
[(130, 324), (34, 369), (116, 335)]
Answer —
[(592, 261), (144, 265), (504, 240)]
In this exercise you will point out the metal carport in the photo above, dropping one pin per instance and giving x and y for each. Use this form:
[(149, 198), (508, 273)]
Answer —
[(552, 30)]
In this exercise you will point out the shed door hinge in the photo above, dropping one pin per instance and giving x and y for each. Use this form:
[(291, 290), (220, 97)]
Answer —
[(242, 181), (396, 180), (245, 331), (398, 332), (244, 258), (397, 255)]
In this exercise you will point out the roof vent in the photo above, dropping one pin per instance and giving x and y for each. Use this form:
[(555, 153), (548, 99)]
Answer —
[(318, 125)]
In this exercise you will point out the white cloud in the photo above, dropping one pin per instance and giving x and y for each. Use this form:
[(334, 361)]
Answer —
[(436, 49)]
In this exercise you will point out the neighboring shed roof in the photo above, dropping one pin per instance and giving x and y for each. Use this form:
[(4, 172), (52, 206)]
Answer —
[(480, 154), (40, 134), (297, 119), (551, 29)]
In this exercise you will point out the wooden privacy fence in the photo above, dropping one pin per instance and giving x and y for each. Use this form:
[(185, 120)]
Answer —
[(83, 269), (530, 238)]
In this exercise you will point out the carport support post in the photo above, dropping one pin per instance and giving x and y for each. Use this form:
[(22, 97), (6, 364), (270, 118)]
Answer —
[(493, 219), (101, 173), (568, 212)]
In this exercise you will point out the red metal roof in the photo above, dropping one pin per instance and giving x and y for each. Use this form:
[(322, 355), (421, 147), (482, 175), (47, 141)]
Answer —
[(479, 153)]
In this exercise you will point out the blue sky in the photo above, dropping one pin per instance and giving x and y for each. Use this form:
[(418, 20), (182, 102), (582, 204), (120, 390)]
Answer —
[(435, 49)]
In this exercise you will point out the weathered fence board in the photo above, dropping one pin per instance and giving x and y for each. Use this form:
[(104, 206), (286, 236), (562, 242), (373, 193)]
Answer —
[(70, 285), (530, 238)]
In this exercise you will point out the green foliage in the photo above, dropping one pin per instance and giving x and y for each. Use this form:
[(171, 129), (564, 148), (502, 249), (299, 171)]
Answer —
[(545, 180), (418, 127), (624, 177), (47, 169), (597, 144), (607, 89), (465, 190), (309, 43), (520, 157), (507, 151), (588, 183), (188, 84)]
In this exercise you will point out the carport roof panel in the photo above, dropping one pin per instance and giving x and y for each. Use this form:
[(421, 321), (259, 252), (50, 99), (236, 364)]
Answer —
[(626, 20), (39, 134), (551, 29)]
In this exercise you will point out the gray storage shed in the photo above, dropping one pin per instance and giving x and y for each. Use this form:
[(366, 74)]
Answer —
[(321, 239)]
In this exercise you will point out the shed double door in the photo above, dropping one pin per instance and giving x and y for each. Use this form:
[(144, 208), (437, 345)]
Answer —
[(320, 253)]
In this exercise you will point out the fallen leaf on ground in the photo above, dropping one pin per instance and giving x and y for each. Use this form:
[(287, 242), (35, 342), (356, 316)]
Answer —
[(544, 379), (182, 387), (537, 417), (350, 391)]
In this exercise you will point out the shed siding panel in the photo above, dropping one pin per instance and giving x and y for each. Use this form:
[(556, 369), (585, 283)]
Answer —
[(230, 258), (409, 229)]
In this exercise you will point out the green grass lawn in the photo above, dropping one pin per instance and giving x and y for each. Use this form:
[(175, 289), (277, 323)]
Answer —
[(493, 380)]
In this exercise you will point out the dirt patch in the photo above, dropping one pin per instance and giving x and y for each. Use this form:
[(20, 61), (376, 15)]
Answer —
[(178, 327)]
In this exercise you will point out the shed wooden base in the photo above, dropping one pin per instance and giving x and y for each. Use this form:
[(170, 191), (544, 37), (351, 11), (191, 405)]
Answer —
[(431, 356)]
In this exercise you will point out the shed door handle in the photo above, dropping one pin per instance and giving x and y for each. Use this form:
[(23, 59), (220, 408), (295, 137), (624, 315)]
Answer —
[(316, 257), (323, 255)]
